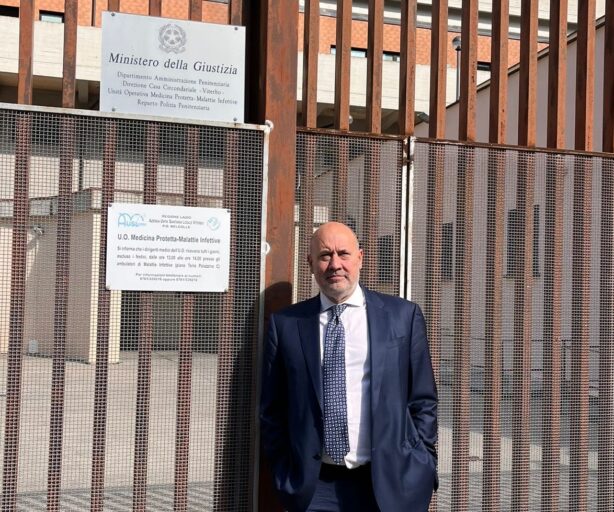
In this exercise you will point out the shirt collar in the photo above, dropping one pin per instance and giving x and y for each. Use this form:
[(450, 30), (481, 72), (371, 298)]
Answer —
[(356, 299)]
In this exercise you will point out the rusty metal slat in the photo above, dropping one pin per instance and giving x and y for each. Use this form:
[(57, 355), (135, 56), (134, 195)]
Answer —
[(311, 42), (493, 350), (155, 8), (196, 10), (580, 335), (305, 197), (432, 264), (371, 205), (557, 73), (143, 391), (184, 377), (113, 5), (21, 216), (439, 69), (585, 75), (523, 308), (527, 90), (102, 330), (608, 79), (26, 56), (62, 275), (69, 80), (375, 49), (236, 12), (605, 467), (340, 183), (224, 455), (407, 68), (553, 264), (342, 64), (469, 70), (462, 329), (497, 127)]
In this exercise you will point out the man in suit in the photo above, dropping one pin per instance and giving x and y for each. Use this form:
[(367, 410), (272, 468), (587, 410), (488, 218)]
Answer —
[(348, 408)]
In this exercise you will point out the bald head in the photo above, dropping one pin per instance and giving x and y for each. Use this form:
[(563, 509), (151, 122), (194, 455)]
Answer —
[(335, 259)]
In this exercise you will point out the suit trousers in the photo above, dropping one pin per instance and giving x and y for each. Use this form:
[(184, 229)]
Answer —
[(340, 489)]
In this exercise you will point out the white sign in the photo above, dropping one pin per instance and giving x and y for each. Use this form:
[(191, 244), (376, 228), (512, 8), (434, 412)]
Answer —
[(167, 248), (166, 67)]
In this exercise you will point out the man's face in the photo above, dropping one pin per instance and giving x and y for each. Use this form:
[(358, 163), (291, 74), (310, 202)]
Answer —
[(335, 260)]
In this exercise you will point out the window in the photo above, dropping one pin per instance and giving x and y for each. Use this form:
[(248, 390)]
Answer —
[(12, 12), (354, 52), (447, 241), (483, 66), (392, 56), (52, 16), (536, 240), (514, 239)]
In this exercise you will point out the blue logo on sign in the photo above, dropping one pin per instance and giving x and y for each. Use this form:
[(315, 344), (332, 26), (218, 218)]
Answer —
[(125, 220), (213, 223)]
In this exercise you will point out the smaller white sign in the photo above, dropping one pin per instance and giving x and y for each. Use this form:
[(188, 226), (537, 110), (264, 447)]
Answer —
[(164, 67), (167, 248)]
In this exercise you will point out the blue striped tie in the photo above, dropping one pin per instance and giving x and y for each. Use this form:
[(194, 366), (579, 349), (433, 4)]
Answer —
[(336, 439)]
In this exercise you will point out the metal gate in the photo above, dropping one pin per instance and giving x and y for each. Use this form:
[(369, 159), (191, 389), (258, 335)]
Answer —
[(133, 400)]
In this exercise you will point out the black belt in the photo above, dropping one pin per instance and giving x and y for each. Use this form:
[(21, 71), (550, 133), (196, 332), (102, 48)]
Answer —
[(334, 471)]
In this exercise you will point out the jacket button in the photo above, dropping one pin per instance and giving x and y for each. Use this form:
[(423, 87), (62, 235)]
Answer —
[(317, 456)]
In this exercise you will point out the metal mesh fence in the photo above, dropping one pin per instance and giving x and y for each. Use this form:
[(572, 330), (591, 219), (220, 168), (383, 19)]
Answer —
[(512, 261), (358, 181), (123, 400)]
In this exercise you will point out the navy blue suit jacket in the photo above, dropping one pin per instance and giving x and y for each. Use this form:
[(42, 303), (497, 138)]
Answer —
[(403, 404)]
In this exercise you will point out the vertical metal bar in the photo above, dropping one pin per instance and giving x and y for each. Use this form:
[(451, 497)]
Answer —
[(585, 75), (26, 56), (462, 330), (21, 215), (432, 265), (101, 385), (493, 351), (527, 113), (407, 68), (342, 64), (605, 465), (155, 8), (305, 197), (141, 436), (311, 42), (553, 253), (523, 310), (580, 335), (375, 49), (371, 202), (469, 70), (557, 73), (235, 12), (553, 256), (196, 10), (71, 13), (585, 69), (439, 69), (497, 128), (62, 275), (608, 79), (113, 5), (184, 377)]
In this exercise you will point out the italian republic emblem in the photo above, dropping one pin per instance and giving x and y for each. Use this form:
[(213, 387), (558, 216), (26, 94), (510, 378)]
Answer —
[(172, 38)]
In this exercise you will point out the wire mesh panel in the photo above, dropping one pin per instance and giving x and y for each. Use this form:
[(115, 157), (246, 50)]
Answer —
[(526, 419), (116, 400), (359, 181)]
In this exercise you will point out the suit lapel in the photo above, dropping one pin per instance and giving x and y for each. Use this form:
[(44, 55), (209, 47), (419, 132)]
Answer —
[(379, 332), (309, 333)]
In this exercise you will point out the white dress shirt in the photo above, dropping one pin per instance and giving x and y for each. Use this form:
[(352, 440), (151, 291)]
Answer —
[(357, 374)]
